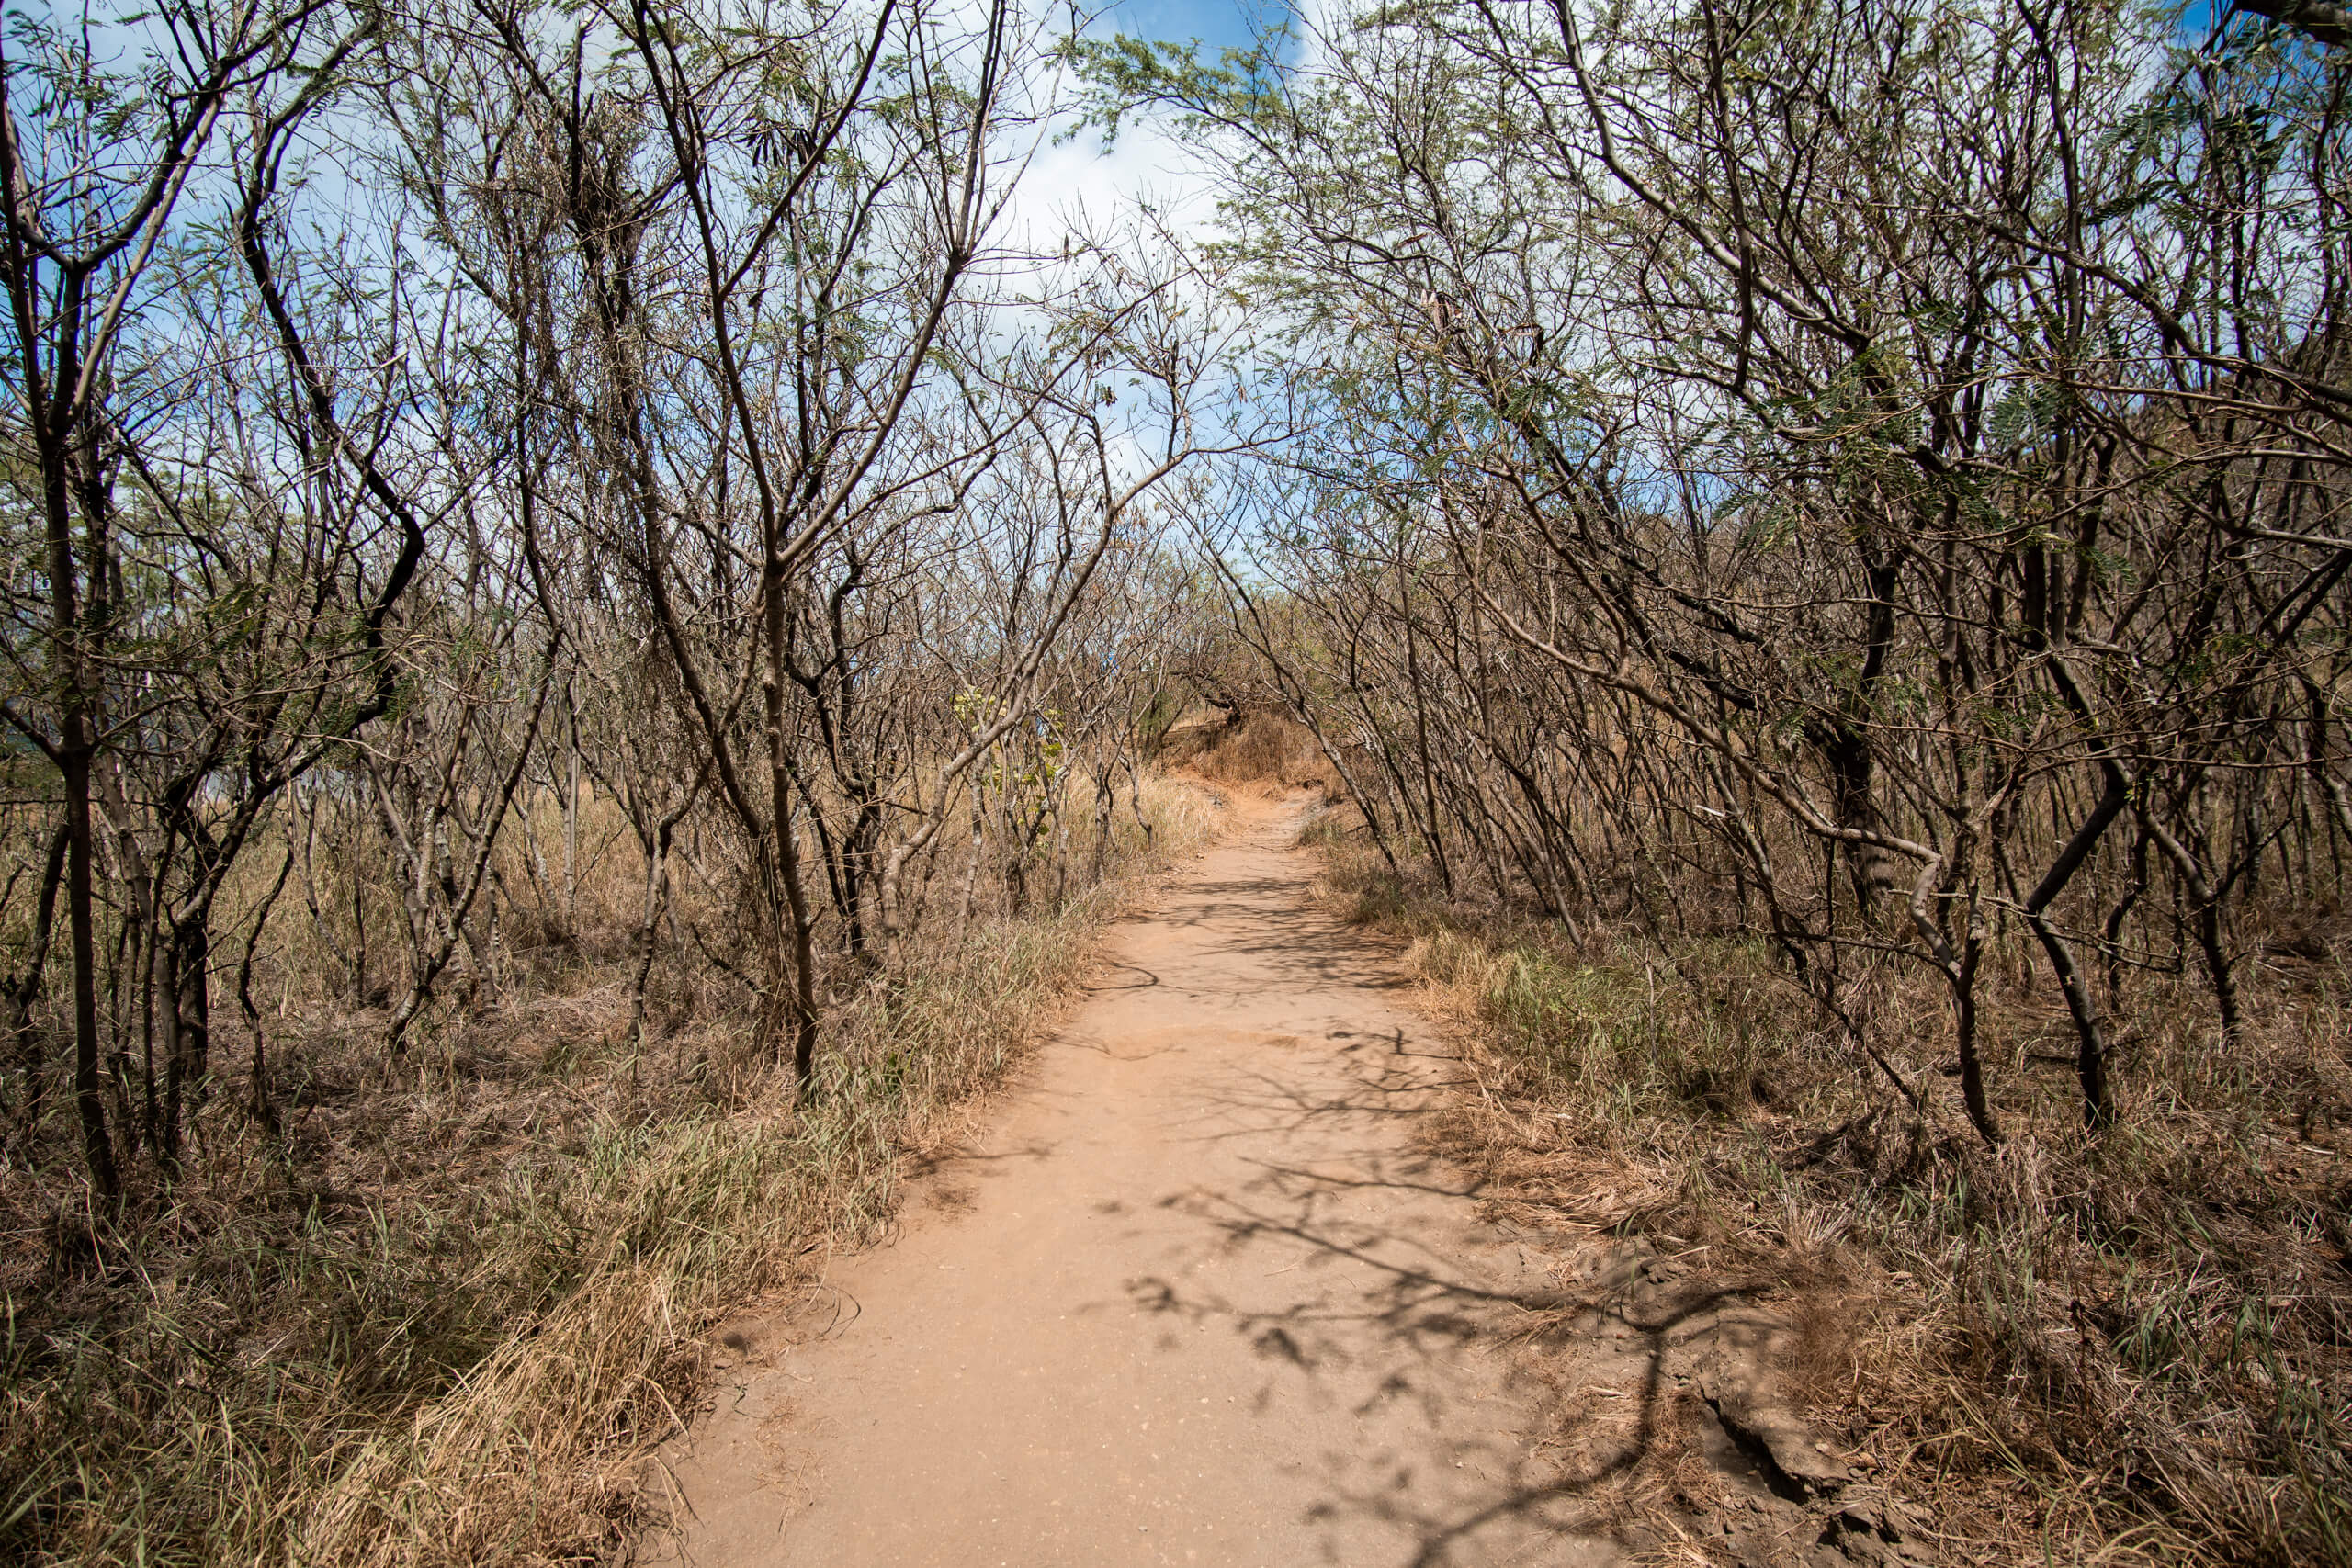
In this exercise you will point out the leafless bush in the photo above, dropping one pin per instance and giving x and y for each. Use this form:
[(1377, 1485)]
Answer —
[(540, 529), (1818, 498)]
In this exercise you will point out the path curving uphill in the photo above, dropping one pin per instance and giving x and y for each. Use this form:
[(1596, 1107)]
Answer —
[(1198, 1298)]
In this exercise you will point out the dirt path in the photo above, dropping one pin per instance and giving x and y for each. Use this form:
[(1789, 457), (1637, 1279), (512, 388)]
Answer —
[(1197, 1300)]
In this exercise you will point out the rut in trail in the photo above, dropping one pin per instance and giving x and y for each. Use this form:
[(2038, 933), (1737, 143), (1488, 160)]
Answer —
[(1195, 1299)]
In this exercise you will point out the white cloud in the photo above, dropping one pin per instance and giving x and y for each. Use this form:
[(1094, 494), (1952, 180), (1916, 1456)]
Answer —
[(1079, 185)]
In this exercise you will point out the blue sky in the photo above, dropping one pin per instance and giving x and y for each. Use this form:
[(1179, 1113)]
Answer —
[(1082, 182), (1221, 24)]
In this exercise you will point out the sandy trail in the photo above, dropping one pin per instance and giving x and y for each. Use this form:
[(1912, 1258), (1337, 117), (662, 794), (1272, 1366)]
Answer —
[(1196, 1299)]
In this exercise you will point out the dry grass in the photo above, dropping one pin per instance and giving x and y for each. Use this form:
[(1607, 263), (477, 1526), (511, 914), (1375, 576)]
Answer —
[(2135, 1347), (1258, 747), (441, 1319)]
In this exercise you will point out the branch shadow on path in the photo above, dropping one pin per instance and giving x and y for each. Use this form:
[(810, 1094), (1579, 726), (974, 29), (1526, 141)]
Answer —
[(1391, 1302)]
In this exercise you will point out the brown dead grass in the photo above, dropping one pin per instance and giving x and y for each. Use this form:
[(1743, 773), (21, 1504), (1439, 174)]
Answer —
[(439, 1320), (2132, 1348), (1258, 748)]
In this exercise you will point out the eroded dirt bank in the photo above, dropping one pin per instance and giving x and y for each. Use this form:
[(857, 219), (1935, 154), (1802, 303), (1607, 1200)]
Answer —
[(1195, 1299)]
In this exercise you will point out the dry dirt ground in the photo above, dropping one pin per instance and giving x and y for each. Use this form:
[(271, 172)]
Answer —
[(1198, 1297)]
